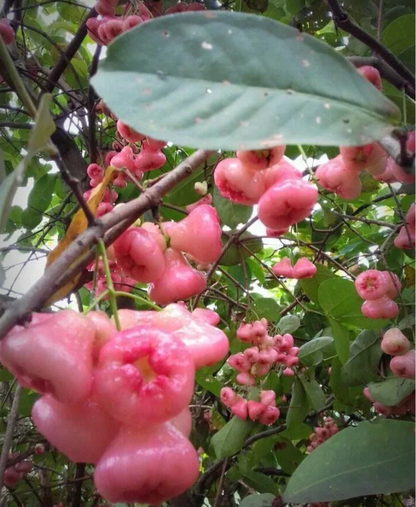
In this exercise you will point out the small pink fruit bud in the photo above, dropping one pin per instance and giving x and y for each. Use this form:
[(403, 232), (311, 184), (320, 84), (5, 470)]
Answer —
[(228, 396), (270, 415), (246, 379), (252, 354), (288, 372), (268, 398), (240, 409), (371, 74), (127, 133), (39, 449), (201, 187), (404, 366), (255, 409), (239, 362)]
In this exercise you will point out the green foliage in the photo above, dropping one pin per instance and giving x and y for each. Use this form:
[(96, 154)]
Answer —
[(230, 439), (392, 390), (371, 459)]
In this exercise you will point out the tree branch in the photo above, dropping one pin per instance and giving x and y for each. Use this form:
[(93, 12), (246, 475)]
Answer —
[(8, 437), (68, 264), (344, 22)]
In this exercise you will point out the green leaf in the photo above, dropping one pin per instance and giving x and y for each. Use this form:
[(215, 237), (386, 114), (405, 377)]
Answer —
[(311, 353), (231, 214), (365, 355), (261, 482), (236, 251), (371, 459), (208, 382), (247, 104), (264, 500), (399, 38), (299, 432), (313, 392), (299, 405), (340, 300), (41, 194), (289, 324), (341, 340), (230, 439), (257, 270), (310, 286), (391, 391), (288, 456), (266, 308)]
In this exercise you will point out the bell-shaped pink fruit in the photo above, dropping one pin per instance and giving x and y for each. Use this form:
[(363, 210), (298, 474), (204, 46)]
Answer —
[(239, 362), (238, 183), (179, 281), (149, 160), (147, 466), (270, 415), (371, 74), (183, 422), (406, 237), (144, 376), (268, 398), (258, 160), (199, 234), (283, 268), (281, 172), (124, 159), (206, 315), (127, 133), (304, 268), (82, 432), (228, 396), (372, 284), (255, 409), (370, 157), (105, 330), (383, 308), (240, 409), (404, 366), (287, 203), (394, 284), (398, 172), (139, 255), (394, 342), (6, 31), (52, 356), (337, 178)]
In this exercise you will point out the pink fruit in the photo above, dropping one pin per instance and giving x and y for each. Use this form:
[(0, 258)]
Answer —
[(252, 354), (394, 284), (199, 234), (105, 330), (372, 284), (145, 376), (281, 172), (113, 28), (106, 7), (276, 233), (238, 183), (255, 409), (82, 432), (6, 31), (406, 237), (103, 209), (11, 476), (336, 177), (39, 449), (371, 74), (228, 396), (183, 422), (239, 362), (371, 157), (149, 465), (93, 25), (383, 308), (94, 171), (207, 199), (149, 160), (394, 342), (129, 23), (270, 415), (153, 144), (283, 268), (258, 160), (139, 255), (287, 203), (52, 356), (124, 159), (246, 379), (129, 134), (268, 398), (206, 315), (267, 356), (240, 409), (288, 372), (398, 172), (404, 366), (180, 281), (387, 176), (304, 268)]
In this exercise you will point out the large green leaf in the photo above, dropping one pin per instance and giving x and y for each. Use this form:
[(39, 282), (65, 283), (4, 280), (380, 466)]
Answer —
[(314, 392), (310, 286), (341, 340), (371, 459), (312, 352), (264, 500), (231, 214), (391, 391), (221, 80), (299, 405), (362, 364), (340, 301), (230, 439), (399, 37)]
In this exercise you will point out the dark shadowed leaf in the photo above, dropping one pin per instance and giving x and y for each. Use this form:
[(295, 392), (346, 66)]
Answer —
[(299, 405), (391, 391), (362, 364)]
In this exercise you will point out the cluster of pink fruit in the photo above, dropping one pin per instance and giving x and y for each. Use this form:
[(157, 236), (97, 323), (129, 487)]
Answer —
[(378, 288), (141, 254), (15, 473), (265, 410), (406, 237), (303, 268), (119, 399), (6, 31), (263, 177), (341, 175), (322, 433), (402, 365)]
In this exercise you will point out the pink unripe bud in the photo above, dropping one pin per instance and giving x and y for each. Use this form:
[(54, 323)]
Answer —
[(291, 361), (404, 366), (228, 396), (24, 466), (258, 160), (252, 354), (287, 342), (11, 477), (240, 409), (128, 133), (94, 171), (124, 159), (268, 398), (270, 415), (394, 342), (394, 285), (6, 31), (288, 372), (371, 74), (246, 378), (261, 369), (383, 308), (154, 144), (39, 449), (255, 409), (239, 362), (130, 22), (366, 393)]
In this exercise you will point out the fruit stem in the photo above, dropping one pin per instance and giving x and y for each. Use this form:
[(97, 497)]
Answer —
[(138, 298), (110, 286)]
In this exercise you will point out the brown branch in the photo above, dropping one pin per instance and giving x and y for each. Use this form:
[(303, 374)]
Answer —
[(69, 263), (344, 22), (8, 437)]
